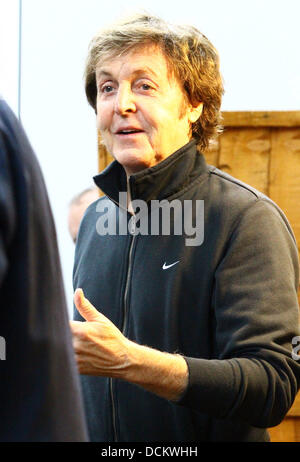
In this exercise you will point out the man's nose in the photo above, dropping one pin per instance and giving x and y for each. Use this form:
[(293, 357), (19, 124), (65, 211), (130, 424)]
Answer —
[(125, 101)]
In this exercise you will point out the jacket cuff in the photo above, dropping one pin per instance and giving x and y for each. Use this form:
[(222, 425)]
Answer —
[(212, 385)]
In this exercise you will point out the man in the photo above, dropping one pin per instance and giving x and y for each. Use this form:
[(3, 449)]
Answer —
[(77, 207), (186, 337), (39, 388)]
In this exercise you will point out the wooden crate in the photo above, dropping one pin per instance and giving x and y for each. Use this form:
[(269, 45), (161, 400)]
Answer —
[(263, 149)]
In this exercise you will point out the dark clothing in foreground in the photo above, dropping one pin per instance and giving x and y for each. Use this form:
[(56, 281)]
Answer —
[(39, 386), (229, 305)]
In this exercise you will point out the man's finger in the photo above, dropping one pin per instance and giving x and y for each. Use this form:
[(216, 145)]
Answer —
[(85, 308), (75, 326)]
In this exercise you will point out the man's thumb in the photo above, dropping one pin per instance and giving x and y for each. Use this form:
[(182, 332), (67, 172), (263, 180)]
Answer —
[(85, 308)]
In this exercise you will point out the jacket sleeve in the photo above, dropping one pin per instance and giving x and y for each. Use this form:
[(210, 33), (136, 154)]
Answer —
[(7, 208), (253, 376)]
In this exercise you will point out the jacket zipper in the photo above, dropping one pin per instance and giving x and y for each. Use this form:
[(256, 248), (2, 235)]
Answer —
[(113, 410), (124, 323), (128, 276)]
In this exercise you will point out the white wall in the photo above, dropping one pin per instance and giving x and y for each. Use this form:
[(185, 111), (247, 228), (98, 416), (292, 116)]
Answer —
[(9, 52), (258, 41)]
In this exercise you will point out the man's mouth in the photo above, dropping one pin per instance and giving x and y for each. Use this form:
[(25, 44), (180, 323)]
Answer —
[(131, 131)]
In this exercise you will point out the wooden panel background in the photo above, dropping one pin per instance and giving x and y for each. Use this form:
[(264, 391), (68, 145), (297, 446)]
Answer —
[(263, 150)]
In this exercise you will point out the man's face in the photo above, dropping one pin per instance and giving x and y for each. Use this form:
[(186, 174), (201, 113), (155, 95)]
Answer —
[(139, 109)]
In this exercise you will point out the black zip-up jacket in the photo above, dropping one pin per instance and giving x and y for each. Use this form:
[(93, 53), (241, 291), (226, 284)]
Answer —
[(229, 305)]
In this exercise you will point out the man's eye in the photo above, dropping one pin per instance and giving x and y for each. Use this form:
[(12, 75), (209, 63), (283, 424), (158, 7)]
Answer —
[(106, 89), (145, 86)]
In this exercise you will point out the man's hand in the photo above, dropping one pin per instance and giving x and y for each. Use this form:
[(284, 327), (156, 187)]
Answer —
[(100, 348)]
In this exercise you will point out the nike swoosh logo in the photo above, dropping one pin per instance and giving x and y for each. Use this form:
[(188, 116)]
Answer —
[(165, 266)]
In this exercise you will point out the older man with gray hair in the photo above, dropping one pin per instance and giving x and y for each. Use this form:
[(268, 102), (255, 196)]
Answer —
[(175, 342)]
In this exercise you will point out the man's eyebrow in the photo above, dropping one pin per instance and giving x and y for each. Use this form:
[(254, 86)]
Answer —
[(145, 70)]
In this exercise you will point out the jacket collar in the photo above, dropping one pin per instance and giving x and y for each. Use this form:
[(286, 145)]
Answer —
[(159, 182)]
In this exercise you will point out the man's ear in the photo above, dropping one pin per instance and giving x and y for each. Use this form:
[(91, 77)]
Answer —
[(195, 112)]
